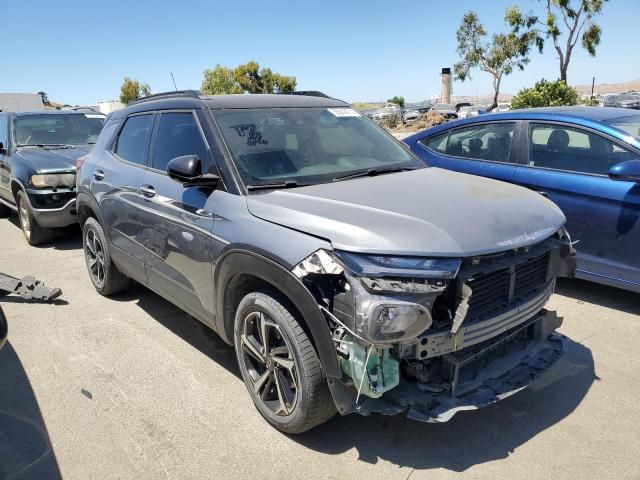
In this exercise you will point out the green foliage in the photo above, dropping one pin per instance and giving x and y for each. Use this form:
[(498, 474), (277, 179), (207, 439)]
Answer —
[(246, 78), (397, 100), (220, 81), (545, 94), (498, 56), (573, 18), (131, 90)]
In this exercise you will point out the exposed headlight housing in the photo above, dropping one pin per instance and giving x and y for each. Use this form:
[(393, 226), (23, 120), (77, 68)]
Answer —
[(391, 321), (319, 262), (394, 266), (53, 180)]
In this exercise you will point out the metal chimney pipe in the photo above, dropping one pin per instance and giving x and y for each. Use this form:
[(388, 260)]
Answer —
[(445, 95)]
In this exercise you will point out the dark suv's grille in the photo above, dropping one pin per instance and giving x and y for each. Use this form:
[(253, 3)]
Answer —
[(498, 290)]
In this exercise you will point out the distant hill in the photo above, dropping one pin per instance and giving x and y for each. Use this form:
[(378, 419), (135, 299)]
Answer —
[(601, 88)]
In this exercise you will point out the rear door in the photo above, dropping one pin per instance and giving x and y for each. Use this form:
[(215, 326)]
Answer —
[(485, 148), (115, 182), (569, 164), (178, 221)]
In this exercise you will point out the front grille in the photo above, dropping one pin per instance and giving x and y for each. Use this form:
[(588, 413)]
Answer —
[(499, 290)]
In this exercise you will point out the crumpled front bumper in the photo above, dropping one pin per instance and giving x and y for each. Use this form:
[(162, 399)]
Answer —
[(499, 379)]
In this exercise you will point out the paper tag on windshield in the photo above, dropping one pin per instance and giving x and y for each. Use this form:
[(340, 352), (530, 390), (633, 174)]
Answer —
[(343, 112), (93, 115)]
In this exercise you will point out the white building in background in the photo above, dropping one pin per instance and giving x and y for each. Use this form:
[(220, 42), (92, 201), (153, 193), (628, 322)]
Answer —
[(109, 106), (20, 102)]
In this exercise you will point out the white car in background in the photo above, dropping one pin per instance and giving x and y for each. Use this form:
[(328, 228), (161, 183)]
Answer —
[(503, 107)]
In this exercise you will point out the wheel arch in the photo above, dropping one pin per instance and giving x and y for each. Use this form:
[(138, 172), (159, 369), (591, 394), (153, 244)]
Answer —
[(240, 271)]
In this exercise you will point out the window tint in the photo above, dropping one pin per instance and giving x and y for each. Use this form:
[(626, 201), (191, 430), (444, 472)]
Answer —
[(566, 148), (178, 135), (133, 139), (437, 143), (484, 141), (4, 130)]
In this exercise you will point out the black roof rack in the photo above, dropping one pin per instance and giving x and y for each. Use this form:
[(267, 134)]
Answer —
[(308, 93), (174, 94)]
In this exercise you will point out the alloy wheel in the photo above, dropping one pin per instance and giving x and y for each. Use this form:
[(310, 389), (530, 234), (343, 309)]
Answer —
[(269, 362), (25, 220), (94, 253)]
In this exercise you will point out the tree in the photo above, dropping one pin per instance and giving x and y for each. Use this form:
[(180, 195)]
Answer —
[(497, 57), (220, 81), (545, 94), (246, 78), (397, 100), (576, 16), (131, 90)]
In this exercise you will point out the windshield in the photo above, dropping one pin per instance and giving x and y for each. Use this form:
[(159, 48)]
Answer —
[(630, 124), (305, 146), (58, 129)]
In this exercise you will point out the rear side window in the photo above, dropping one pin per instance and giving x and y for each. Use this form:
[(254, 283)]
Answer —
[(484, 141), (572, 149), (134, 138), (178, 135)]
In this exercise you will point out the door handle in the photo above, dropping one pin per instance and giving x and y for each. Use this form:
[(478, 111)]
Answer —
[(147, 191), (98, 175)]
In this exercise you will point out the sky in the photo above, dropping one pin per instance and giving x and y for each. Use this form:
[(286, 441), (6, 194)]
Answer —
[(79, 51)]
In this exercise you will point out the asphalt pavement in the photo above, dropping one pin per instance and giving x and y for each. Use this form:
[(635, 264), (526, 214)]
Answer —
[(131, 387)]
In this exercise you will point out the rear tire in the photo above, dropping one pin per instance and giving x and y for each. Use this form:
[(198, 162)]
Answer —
[(33, 233), (285, 378), (106, 278)]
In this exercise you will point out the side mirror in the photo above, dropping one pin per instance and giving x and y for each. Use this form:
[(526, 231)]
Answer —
[(188, 171), (628, 171)]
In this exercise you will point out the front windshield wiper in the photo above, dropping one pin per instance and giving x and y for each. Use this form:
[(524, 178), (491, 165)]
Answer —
[(270, 186), (372, 172), (42, 145)]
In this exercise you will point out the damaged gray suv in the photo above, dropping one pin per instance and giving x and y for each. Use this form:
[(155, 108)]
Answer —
[(349, 276)]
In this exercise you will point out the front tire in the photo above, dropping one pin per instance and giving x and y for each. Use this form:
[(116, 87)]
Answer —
[(104, 275), (279, 364), (33, 233)]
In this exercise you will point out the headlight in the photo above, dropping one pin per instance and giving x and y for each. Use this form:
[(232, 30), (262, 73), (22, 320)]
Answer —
[(321, 262), (54, 180), (391, 321), (392, 266)]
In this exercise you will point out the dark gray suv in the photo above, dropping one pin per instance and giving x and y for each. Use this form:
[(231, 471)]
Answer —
[(349, 276)]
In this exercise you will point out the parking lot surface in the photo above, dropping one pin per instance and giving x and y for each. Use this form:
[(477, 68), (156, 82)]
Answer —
[(131, 387)]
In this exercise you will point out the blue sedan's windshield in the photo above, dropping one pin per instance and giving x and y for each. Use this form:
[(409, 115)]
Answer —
[(630, 124), (301, 146)]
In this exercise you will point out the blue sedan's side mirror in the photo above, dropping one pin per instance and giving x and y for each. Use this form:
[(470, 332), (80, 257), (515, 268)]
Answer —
[(628, 171)]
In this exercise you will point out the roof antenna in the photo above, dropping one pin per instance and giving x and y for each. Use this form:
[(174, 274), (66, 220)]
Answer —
[(174, 81)]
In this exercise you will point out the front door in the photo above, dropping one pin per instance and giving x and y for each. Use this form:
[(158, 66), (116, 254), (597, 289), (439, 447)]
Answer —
[(178, 220), (570, 165)]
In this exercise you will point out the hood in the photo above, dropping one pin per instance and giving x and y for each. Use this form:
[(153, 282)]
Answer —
[(428, 212), (45, 160)]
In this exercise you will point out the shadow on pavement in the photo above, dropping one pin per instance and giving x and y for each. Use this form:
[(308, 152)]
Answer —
[(67, 238), (471, 437), (183, 325), (608, 297), (25, 448)]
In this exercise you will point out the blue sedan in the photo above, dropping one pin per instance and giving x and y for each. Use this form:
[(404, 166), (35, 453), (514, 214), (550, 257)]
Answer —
[(585, 159)]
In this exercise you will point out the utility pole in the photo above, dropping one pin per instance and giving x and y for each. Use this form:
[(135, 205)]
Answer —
[(593, 84), (174, 81)]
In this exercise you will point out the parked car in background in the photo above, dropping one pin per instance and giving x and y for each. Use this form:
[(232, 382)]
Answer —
[(608, 100), (389, 112), (472, 111), (447, 110), (627, 101), (411, 114), (38, 154), (304, 234), (586, 160), (462, 104), (502, 107)]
